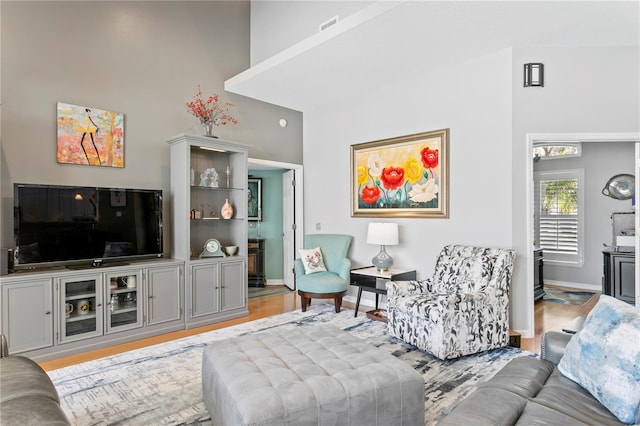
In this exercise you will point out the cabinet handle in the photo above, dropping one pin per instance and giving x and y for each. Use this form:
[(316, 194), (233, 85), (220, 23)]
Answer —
[(48, 313), (99, 304), (150, 297)]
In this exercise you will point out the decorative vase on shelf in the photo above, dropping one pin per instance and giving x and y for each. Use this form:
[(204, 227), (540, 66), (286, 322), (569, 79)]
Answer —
[(227, 211), (208, 129)]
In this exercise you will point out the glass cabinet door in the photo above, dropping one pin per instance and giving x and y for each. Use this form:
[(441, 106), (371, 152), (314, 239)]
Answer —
[(124, 301), (82, 304)]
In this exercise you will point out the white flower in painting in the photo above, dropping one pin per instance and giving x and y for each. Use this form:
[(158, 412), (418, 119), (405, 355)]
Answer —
[(423, 193), (376, 164)]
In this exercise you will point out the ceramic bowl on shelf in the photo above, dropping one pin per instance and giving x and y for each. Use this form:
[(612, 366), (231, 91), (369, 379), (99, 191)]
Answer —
[(231, 250)]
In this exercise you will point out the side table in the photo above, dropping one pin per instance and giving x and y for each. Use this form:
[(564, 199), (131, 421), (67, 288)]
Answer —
[(374, 281)]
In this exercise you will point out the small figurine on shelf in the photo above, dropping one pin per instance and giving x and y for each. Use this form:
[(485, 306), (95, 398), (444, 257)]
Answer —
[(228, 177), (209, 178), (207, 211)]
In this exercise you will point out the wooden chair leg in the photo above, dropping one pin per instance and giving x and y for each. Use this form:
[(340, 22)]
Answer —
[(304, 301), (338, 303)]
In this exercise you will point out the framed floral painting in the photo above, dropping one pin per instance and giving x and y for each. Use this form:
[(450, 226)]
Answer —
[(406, 176)]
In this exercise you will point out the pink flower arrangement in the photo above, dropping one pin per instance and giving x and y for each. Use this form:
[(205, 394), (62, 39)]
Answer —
[(211, 111)]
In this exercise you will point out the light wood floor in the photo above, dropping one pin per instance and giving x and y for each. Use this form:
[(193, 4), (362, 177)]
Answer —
[(548, 316)]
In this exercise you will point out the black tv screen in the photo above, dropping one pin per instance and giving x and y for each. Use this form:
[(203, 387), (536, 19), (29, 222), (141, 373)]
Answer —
[(56, 224)]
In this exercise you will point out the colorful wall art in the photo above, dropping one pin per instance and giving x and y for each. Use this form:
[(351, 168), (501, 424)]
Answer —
[(406, 176), (90, 136)]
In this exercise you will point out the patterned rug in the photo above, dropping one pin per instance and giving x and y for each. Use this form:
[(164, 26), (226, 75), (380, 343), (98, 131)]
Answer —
[(556, 295), (161, 384)]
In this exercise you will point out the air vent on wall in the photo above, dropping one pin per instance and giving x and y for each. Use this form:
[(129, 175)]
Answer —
[(329, 23)]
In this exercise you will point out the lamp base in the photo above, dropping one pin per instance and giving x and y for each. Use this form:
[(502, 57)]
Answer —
[(382, 261)]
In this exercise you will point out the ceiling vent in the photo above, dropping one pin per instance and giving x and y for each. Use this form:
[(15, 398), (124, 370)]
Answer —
[(329, 23)]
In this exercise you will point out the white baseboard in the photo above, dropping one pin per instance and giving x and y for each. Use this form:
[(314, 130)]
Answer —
[(275, 282), (577, 286)]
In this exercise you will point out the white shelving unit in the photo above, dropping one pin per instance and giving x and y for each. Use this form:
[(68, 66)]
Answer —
[(216, 287)]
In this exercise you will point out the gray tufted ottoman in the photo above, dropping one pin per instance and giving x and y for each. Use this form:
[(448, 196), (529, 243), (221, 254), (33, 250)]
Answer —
[(318, 375)]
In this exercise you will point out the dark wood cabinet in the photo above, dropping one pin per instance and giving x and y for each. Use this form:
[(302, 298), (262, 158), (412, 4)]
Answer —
[(255, 263), (619, 276), (538, 273)]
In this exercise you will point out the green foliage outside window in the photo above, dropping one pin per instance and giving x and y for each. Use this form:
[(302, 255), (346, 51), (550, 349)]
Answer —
[(559, 196)]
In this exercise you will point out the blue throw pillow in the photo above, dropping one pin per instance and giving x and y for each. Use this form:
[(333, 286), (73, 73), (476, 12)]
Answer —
[(604, 357)]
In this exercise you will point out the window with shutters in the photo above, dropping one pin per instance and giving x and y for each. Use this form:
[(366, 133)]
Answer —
[(559, 216)]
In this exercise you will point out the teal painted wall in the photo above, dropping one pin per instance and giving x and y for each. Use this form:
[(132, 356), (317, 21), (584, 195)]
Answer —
[(270, 228)]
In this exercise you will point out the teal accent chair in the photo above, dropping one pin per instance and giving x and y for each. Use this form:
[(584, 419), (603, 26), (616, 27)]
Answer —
[(333, 283)]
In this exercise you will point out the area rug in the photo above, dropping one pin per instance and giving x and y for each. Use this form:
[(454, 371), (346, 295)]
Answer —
[(268, 290), (567, 297), (161, 384)]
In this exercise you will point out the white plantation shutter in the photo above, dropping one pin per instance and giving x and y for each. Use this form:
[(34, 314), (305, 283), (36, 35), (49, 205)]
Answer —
[(559, 215)]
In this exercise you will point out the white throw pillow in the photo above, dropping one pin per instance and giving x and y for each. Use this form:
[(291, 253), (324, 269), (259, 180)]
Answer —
[(312, 260)]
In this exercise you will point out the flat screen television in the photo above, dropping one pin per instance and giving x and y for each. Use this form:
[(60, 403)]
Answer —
[(78, 225)]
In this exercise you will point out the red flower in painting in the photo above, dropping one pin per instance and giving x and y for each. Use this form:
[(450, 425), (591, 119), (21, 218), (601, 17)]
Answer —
[(392, 177), (429, 157), (370, 194)]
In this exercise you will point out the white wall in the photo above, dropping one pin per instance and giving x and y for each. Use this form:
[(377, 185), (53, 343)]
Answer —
[(144, 59), (280, 24), (587, 90), (490, 114), (476, 107)]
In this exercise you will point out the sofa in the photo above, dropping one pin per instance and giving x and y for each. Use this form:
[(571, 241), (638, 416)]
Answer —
[(27, 396), (531, 390)]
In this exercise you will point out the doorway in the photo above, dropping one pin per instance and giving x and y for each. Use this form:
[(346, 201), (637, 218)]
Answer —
[(564, 138), (291, 216)]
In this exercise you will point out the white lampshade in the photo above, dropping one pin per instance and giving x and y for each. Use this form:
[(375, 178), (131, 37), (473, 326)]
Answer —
[(385, 234)]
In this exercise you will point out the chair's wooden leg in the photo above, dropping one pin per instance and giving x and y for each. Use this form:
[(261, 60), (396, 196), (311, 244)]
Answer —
[(338, 303), (304, 303)]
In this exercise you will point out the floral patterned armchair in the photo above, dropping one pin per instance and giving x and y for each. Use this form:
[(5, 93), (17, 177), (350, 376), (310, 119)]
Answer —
[(462, 309)]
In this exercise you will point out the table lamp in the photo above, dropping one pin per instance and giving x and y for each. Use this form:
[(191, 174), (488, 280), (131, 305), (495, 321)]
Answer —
[(383, 234)]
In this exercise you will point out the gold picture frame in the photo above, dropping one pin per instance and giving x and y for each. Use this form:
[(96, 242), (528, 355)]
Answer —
[(406, 176)]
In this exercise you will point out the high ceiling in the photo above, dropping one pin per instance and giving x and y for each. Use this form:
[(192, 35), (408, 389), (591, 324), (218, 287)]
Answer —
[(391, 40)]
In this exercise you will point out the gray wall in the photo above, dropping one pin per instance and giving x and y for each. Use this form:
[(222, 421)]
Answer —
[(598, 208), (144, 59)]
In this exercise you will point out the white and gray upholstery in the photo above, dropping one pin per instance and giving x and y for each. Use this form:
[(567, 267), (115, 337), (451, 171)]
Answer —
[(318, 375), (462, 309)]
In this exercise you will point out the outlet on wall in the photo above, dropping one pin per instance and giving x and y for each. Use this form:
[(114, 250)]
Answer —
[(318, 226)]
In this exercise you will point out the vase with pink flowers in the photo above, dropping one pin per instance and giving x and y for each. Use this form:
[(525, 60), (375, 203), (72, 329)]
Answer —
[(211, 112)]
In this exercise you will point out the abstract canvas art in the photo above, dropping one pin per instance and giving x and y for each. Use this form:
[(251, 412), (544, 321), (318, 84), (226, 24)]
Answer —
[(90, 136)]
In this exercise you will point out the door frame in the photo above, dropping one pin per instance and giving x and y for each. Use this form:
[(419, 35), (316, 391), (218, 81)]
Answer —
[(564, 137), (298, 193)]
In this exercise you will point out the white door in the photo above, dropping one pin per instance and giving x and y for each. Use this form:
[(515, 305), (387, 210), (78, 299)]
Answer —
[(288, 227)]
